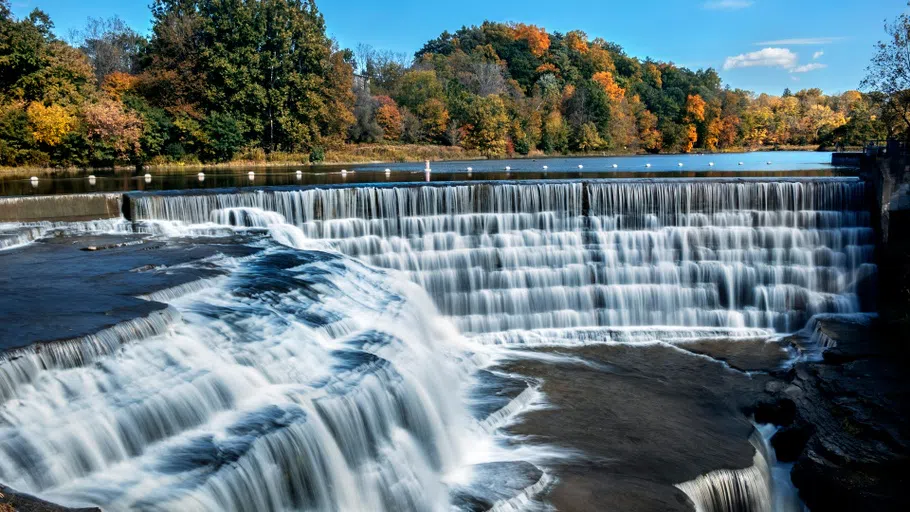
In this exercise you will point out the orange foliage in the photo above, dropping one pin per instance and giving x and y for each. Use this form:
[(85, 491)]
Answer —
[(695, 108), (537, 38), (577, 41), (691, 138), (389, 118), (547, 68), (605, 79), (117, 83)]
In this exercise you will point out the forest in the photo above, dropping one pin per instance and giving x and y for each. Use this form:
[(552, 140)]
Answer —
[(221, 80)]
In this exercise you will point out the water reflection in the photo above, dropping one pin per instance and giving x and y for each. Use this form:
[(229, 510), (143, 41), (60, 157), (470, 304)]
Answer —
[(796, 163)]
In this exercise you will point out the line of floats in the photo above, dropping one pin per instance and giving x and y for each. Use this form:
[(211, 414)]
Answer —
[(388, 172)]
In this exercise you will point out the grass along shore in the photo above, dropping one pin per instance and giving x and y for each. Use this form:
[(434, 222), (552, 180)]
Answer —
[(352, 154)]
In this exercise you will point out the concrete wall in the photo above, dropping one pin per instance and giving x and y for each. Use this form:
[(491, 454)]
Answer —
[(73, 207)]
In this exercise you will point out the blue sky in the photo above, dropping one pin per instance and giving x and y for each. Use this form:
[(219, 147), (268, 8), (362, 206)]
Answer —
[(760, 45)]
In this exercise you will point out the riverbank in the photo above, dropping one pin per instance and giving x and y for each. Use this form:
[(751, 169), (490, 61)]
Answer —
[(357, 155)]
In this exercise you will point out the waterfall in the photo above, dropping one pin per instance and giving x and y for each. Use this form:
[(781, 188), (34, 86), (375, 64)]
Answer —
[(328, 371), (304, 380), (17, 234), (726, 257)]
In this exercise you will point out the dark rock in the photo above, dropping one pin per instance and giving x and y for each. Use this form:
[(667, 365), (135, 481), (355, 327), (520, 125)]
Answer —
[(790, 441), (779, 412), (852, 414), (25, 503), (636, 420), (93, 291)]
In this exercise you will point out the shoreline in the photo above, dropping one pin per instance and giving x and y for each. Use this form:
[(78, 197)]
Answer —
[(347, 156)]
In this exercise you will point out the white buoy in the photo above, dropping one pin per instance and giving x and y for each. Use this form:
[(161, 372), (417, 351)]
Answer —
[(201, 176), (508, 168), (680, 164), (427, 165), (34, 178), (711, 164), (34, 181), (388, 172), (148, 176), (545, 167), (470, 169), (647, 165), (91, 179), (299, 174), (251, 175), (581, 166), (615, 166), (91, 176), (769, 162), (344, 172), (740, 163)]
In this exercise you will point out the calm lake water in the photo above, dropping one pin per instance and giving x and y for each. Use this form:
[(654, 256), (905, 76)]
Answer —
[(790, 163)]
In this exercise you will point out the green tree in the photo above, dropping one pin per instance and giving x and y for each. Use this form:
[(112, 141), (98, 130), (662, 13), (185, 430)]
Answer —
[(889, 73), (487, 126)]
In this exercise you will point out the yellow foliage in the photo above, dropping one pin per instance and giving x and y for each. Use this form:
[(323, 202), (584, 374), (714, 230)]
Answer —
[(50, 124), (434, 116), (600, 59), (605, 80), (654, 73), (537, 38)]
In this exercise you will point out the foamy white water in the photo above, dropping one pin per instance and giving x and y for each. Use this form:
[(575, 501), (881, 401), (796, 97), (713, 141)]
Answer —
[(310, 379), (305, 380)]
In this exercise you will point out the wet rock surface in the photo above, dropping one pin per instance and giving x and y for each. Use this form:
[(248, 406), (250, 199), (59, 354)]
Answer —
[(94, 290), (495, 482), (637, 419), (850, 435)]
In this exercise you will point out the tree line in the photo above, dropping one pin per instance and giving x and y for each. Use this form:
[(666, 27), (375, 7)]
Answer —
[(220, 79)]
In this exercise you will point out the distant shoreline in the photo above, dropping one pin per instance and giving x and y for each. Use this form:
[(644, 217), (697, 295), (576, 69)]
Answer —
[(371, 154)]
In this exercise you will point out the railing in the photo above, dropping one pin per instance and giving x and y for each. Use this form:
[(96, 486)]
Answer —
[(890, 147)]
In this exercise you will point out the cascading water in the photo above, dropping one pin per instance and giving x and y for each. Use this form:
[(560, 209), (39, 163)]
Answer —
[(736, 257), (308, 380), (304, 381)]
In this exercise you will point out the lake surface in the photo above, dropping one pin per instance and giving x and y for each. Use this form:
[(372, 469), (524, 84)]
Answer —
[(768, 164)]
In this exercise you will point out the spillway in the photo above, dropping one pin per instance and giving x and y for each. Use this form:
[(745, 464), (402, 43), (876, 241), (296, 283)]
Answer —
[(728, 257), (329, 371)]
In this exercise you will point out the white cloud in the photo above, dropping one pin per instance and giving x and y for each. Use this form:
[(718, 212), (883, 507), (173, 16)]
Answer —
[(805, 68), (727, 5), (817, 54), (768, 57), (801, 41)]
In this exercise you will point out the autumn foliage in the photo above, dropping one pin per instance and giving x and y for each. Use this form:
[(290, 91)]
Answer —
[(537, 38), (198, 90)]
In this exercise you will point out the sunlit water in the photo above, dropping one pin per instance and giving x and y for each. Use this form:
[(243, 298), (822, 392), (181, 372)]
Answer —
[(330, 371), (784, 163)]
